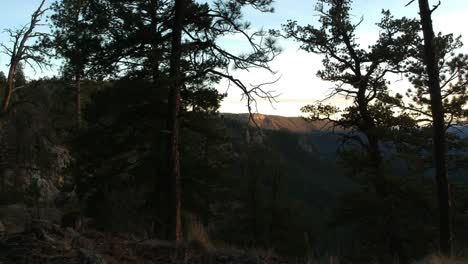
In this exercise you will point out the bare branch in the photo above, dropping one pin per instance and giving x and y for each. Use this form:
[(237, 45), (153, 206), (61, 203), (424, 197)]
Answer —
[(435, 7), (21, 51), (408, 4)]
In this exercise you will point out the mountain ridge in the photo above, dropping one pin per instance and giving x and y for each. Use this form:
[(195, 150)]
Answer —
[(277, 122)]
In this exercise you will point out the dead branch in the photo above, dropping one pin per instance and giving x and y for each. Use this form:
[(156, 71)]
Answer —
[(20, 51)]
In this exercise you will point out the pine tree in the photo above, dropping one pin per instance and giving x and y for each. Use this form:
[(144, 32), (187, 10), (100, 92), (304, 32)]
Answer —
[(439, 99), (76, 38), (358, 73), (361, 74)]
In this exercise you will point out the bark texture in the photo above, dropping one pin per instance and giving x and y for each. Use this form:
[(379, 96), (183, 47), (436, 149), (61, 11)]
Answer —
[(78, 99), (174, 219), (438, 125)]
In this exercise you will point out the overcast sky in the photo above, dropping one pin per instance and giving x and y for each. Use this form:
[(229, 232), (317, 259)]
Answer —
[(298, 84)]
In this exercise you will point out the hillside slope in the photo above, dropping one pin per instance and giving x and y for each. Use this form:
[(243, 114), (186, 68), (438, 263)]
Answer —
[(306, 149)]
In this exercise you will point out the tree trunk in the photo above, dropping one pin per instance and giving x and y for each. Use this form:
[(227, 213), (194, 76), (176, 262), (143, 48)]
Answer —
[(275, 204), (379, 178), (18, 51), (368, 127), (255, 204), (155, 49), (78, 99), (176, 78), (9, 86), (438, 126)]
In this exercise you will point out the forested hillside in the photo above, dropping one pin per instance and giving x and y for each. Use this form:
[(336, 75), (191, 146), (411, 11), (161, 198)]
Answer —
[(330, 191), (120, 153)]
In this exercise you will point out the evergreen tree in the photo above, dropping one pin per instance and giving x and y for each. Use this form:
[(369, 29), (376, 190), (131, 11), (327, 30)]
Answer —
[(76, 38), (371, 125), (136, 42), (438, 126), (438, 99)]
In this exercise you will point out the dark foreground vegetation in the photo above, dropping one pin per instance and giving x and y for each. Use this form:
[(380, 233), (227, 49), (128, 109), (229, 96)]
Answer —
[(123, 157)]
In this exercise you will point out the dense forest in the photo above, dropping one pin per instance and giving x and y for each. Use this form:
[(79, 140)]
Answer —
[(122, 155)]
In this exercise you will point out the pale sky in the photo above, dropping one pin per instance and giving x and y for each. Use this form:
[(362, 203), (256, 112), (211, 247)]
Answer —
[(298, 85)]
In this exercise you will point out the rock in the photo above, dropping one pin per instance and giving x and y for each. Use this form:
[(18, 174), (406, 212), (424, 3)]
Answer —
[(73, 219), (45, 214), (48, 191), (67, 200), (14, 218), (2, 228), (17, 218), (77, 241), (235, 258), (90, 257)]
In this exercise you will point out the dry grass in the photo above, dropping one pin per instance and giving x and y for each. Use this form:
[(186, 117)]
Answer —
[(196, 232), (442, 260), (433, 259)]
